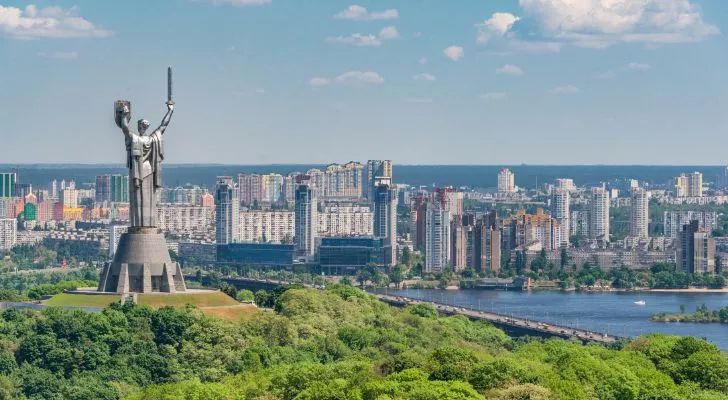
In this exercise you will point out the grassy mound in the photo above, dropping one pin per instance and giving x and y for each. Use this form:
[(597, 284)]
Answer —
[(82, 300), (201, 300)]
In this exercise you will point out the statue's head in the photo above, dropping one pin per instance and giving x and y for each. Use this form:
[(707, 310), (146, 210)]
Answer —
[(142, 125)]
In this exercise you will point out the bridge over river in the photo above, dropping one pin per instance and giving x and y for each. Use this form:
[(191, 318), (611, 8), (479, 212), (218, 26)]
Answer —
[(512, 325)]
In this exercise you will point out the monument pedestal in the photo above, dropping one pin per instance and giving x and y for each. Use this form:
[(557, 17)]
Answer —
[(142, 265)]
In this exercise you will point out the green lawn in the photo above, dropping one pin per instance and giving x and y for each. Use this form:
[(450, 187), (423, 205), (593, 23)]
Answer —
[(82, 300), (214, 299)]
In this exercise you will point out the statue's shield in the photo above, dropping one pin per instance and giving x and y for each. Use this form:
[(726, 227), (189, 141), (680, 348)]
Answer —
[(118, 111)]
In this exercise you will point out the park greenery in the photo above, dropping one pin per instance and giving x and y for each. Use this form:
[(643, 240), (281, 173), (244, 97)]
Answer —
[(338, 343), (702, 314), (32, 285)]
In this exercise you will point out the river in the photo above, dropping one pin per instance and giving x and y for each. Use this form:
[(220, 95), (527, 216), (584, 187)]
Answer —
[(608, 312)]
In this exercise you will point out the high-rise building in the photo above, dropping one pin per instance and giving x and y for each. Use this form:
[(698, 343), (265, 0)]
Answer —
[(690, 185), (459, 229), (70, 198), (103, 188), (53, 190), (486, 254), (437, 232), (565, 183), (306, 217), (522, 229), (115, 232), (674, 221), (681, 186), (267, 226), (599, 214), (316, 181), (345, 219), (506, 181), (8, 233), (119, 188), (207, 200), (696, 253), (638, 223), (272, 184), (385, 215), (7, 184), (375, 169), (181, 219), (289, 187), (455, 199), (695, 184), (227, 210), (560, 203), (344, 180)]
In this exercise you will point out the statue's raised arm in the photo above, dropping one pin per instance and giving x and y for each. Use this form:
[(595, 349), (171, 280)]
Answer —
[(167, 117)]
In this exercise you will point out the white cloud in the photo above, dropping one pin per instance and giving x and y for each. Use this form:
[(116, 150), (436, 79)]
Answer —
[(59, 55), (454, 53), (389, 32), (509, 69), (423, 60), (424, 77), (568, 89), (600, 23), (634, 66), (360, 76), (319, 81), (356, 39), (493, 95), (240, 3), (605, 75), (48, 22), (496, 26), (358, 13)]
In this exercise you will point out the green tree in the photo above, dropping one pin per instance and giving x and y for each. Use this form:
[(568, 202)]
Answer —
[(396, 275), (245, 295)]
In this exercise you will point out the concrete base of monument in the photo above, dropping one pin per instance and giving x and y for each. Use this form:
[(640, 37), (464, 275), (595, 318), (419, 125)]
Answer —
[(142, 265)]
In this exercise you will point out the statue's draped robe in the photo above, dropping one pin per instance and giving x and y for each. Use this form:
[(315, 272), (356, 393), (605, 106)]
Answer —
[(144, 160)]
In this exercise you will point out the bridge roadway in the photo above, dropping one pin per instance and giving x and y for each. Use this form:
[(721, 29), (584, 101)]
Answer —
[(509, 323)]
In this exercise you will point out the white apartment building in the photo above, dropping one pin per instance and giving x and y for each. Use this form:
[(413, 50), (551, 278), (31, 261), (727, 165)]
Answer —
[(638, 223), (506, 181), (599, 214), (267, 226), (565, 183), (70, 198), (345, 220), (184, 218), (560, 203), (115, 232), (8, 233)]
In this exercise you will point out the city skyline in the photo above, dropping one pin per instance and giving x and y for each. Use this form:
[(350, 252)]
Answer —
[(338, 79)]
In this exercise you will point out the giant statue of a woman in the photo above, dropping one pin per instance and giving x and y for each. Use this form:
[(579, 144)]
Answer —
[(145, 153)]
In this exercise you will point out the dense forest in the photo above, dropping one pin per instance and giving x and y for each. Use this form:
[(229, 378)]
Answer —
[(340, 343)]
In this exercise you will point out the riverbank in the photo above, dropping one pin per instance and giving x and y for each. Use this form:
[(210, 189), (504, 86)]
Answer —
[(701, 315)]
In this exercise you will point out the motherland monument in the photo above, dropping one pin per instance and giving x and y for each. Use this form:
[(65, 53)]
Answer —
[(142, 263)]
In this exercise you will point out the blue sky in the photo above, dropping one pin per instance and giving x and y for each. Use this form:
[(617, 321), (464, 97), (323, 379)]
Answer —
[(419, 82)]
